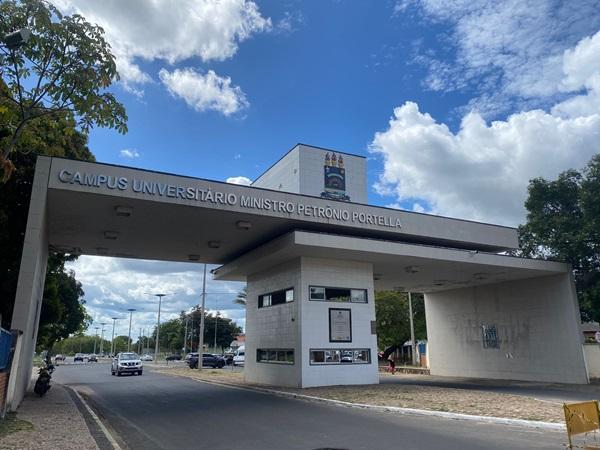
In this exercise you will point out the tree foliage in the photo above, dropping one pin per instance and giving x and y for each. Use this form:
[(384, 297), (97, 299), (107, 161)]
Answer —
[(65, 67), (393, 320), (241, 298), (172, 332), (563, 224), (62, 308)]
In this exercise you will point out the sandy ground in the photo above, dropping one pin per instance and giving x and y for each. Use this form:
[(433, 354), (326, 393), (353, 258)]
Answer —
[(419, 397)]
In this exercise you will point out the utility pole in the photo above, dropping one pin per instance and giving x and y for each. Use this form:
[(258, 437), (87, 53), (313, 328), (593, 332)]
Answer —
[(201, 337), (102, 339), (140, 342), (131, 310), (185, 336), (112, 341), (412, 331)]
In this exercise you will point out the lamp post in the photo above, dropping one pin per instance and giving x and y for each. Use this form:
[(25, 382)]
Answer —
[(201, 337), (95, 336), (160, 297), (102, 339), (131, 310), (112, 341), (216, 324), (413, 352)]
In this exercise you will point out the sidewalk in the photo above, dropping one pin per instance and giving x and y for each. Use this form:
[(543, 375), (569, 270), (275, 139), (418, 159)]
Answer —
[(57, 424)]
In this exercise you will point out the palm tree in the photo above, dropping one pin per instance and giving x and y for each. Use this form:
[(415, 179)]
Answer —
[(241, 297)]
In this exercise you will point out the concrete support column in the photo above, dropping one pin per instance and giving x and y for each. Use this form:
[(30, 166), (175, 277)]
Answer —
[(30, 286), (516, 330)]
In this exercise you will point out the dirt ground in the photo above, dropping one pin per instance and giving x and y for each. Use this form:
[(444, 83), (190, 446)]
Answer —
[(419, 397)]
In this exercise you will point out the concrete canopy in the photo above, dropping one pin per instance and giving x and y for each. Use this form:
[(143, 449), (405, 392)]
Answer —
[(396, 265), (160, 219)]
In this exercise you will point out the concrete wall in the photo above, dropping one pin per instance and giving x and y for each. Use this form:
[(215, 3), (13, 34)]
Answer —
[(315, 321), (284, 175), (273, 327), (537, 321), (301, 172), (592, 359), (30, 286)]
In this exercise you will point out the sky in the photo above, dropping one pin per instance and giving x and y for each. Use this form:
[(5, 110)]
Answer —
[(456, 104)]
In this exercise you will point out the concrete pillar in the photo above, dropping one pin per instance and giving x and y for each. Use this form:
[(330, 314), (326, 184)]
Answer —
[(302, 325), (30, 286), (537, 325)]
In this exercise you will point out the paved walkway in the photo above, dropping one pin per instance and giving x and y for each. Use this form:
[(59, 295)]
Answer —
[(57, 422)]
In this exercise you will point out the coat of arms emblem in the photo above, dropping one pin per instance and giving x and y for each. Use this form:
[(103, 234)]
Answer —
[(335, 178)]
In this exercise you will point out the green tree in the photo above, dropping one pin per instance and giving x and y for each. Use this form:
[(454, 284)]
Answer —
[(393, 323), (242, 297), (65, 67), (563, 224)]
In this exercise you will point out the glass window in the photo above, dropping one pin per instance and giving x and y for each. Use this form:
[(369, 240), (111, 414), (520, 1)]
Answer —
[(317, 293), (284, 356), (340, 356), (317, 356), (333, 294), (358, 296), (276, 298)]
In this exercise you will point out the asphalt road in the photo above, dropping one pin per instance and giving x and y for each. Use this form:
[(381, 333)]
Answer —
[(164, 412)]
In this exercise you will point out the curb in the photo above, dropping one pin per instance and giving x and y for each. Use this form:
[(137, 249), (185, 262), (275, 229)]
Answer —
[(399, 410)]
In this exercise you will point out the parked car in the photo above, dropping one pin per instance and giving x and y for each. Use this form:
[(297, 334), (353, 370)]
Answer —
[(175, 357), (92, 358), (228, 358), (147, 357), (126, 362), (240, 356), (58, 358), (208, 359), (191, 355), (79, 357)]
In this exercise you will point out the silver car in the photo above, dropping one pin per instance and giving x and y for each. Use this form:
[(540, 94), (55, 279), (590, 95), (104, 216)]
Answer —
[(126, 363)]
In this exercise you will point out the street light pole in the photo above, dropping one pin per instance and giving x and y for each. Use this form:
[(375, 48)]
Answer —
[(201, 337), (112, 341), (216, 324), (131, 310), (412, 331), (95, 336), (102, 339), (160, 297)]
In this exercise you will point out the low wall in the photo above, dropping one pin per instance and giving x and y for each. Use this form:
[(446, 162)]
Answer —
[(592, 358)]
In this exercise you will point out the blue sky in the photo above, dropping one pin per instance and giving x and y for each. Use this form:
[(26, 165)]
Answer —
[(456, 104)]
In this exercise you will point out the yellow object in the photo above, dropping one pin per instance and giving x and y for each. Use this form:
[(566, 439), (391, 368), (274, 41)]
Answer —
[(582, 418)]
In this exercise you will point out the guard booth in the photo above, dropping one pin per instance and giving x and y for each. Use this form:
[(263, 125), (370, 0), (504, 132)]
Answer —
[(312, 253)]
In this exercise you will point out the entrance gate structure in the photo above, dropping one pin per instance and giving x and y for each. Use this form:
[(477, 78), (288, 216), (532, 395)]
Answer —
[(312, 252)]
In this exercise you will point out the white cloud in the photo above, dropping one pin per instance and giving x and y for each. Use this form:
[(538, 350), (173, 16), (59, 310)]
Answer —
[(129, 153), (480, 172), (239, 180), (170, 30), (112, 285), (510, 52), (204, 92)]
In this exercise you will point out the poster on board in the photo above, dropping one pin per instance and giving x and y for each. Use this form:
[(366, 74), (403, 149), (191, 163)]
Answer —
[(340, 325)]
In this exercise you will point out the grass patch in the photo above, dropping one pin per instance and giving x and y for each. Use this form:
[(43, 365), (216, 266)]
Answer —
[(10, 424)]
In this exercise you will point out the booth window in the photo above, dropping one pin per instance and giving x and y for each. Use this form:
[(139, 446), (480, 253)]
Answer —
[(276, 298), (275, 355), (333, 294), (340, 356)]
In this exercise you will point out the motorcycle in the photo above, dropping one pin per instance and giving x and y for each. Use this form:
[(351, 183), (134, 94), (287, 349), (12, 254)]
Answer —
[(42, 384)]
